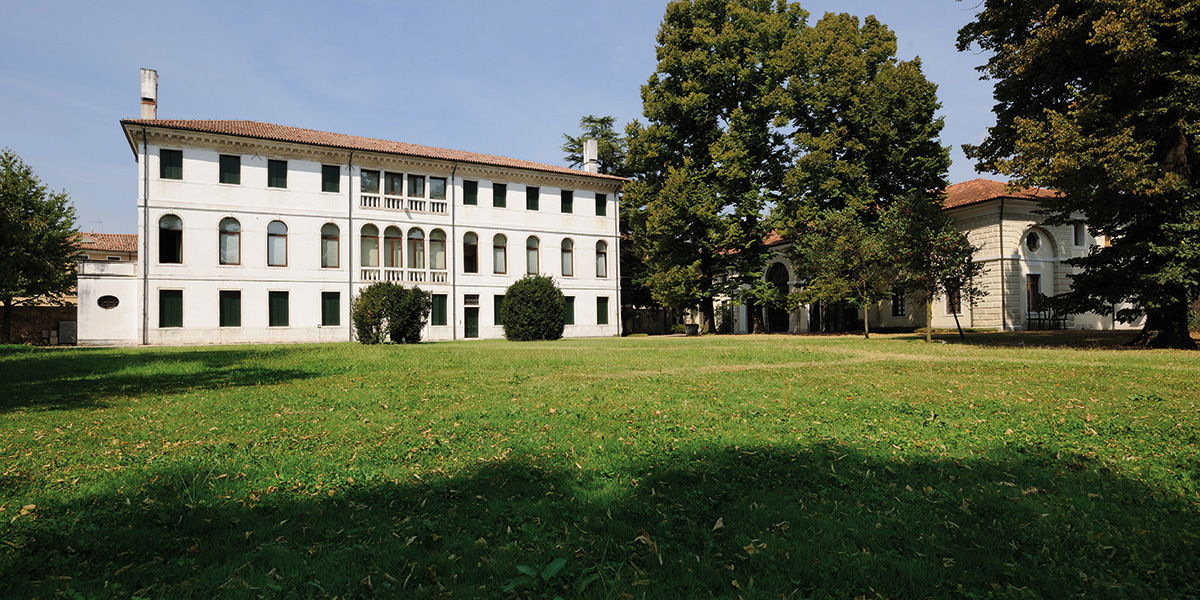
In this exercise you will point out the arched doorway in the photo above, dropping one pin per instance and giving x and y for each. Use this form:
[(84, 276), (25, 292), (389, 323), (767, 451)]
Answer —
[(777, 318)]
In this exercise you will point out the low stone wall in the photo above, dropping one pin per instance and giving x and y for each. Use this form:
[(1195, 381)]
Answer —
[(31, 323)]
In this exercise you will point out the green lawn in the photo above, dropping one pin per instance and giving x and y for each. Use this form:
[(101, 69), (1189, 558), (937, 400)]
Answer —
[(715, 467)]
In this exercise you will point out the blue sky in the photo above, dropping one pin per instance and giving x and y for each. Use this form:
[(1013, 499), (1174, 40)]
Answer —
[(496, 77)]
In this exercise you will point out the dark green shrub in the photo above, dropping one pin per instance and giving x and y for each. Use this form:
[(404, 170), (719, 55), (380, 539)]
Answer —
[(388, 311), (534, 309)]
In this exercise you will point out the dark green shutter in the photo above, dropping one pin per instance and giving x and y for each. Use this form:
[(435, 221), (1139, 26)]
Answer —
[(569, 311), (277, 305), (438, 316), (170, 308), (331, 177), (500, 195), (470, 193), (231, 169), (568, 201), (170, 164), (331, 309), (602, 311), (531, 197), (230, 306), (497, 306), (277, 173), (601, 205)]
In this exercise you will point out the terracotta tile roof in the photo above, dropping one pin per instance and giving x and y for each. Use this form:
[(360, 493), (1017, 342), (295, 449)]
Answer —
[(109, 242), (283, 133), (773, 239), (982, 190)]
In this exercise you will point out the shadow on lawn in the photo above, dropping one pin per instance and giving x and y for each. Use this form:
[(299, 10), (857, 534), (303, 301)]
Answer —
[(1075, 338), (801, 522), (61, 379)]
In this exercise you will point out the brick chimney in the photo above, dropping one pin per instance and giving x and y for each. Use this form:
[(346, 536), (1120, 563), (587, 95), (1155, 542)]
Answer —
[(149, 94)]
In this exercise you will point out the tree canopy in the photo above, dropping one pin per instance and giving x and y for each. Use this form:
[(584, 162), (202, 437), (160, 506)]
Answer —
[(37, 240), (610, 144), (1097, 99)]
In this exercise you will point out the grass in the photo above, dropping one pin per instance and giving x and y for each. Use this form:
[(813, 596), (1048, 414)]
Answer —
[(715, 467)]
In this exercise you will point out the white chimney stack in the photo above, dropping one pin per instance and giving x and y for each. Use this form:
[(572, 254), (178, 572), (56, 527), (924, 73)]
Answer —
[(591, 155), (149, 94)]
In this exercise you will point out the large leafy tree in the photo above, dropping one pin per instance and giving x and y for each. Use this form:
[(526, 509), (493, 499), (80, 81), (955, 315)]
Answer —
[(1097, 99), (37, 240), (710, 139), (846, 261), (610, 144)]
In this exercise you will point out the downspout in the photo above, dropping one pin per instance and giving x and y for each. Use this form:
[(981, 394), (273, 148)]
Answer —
[(1003, 289), (145, 239), (350, 245), (452, 258), (617, 256)]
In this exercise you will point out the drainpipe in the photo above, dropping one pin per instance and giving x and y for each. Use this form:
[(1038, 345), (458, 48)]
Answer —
[(145, 239), (452, 259), (617, 257), (1003, 289), (350, 244)]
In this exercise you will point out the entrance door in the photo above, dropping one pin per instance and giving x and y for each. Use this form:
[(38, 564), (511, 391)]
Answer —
[(472, 322), (1033, 292), (777, 318)]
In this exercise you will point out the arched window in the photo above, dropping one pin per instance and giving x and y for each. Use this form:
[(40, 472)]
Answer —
[(568, 257), (170, 239), (276, 244), (416, 248), (601, 259), (437, 249), (370, 245), (393, 243), (331, 246), (531, 255), (499, 254), (470, 253), (229, 246)]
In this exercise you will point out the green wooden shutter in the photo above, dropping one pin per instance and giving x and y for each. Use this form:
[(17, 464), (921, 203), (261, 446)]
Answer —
[(601, 205), (230, 306), (331, 178), (277, 173), (531, 197), (500, 195), (331, 309), (471, 193), (438, 316), (277, 305), (170, 308), (569, 311), (497, 307), (568, 201), (231, 169), (602, 311), (170, 164)]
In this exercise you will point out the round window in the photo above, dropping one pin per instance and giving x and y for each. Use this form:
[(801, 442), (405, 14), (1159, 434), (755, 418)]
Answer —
[(1033, 241), (107, 302)]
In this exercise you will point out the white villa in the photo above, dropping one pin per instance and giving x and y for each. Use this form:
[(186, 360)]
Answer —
[(252, 232)]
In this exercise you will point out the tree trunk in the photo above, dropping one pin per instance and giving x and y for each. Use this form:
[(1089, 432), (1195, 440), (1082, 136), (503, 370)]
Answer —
[(756, 318), (6, 327), (707, 316), (1166, 327), (929, 319), (961, 335), (866, 321)]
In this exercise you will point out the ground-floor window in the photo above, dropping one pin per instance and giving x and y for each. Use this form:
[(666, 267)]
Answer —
[(170, 308), (437, 315), (331, 309), (569, 311), (602, 310), (898, 302), (497, 304), (277, 309), (230, 308)]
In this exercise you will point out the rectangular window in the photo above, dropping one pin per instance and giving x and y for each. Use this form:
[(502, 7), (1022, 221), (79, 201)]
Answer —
[(416, 186), (1080, 233), (277, 173), (393, 184), (500, 195), (470, 193), (602, 310), (170, 164), (369, 181), (277, 309), (531, 197), (331, 178), (898, 302), (230, 308), (569, 310), (601, 205), (437, 188), (437, 316), (170, 308), (568, 201), (497, 306), (231, 169), (331, 309)]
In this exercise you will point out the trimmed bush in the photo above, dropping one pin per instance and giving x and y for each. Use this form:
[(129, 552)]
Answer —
[(534, 309), (387, 311)]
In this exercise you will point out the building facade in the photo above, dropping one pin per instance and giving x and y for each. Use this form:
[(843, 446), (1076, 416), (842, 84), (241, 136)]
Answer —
[(252, 232)]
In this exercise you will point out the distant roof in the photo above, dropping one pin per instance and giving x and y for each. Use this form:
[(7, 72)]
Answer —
[(109, 242), (283, 133), (982, 190)]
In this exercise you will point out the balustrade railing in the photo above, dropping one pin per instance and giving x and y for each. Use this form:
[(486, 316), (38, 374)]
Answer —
[(394, 275), (370, 274), (367, 201), (406, 204)]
